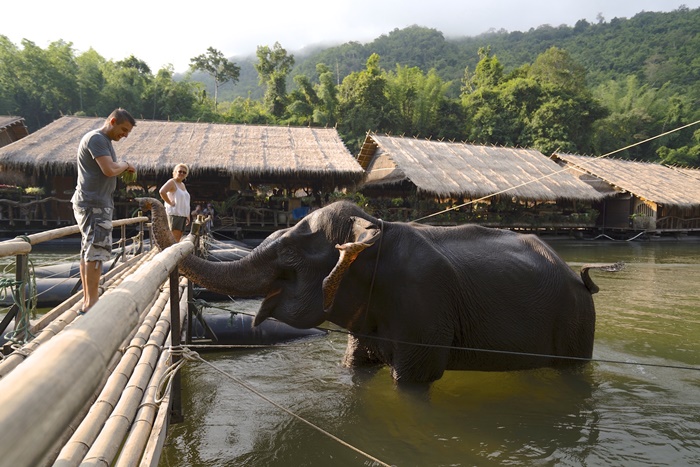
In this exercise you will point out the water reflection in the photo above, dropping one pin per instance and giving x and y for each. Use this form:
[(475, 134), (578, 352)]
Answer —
[(604, 414)]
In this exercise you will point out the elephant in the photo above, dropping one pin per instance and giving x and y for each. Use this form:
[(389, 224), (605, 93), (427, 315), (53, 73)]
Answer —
[(421, 299)]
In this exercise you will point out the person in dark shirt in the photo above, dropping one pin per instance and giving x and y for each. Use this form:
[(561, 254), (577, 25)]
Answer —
[(93, 205)]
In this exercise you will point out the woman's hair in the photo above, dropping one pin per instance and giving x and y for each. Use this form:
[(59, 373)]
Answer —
[(180, 166)]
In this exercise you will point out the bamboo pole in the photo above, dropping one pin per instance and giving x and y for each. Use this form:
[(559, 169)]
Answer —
[(105, 449), (14, 247), (77, 419), (58, 324), (142, 426), (48, 317), (159, 430), (72, 364), (17, 246), (68, 432), (75, 449)]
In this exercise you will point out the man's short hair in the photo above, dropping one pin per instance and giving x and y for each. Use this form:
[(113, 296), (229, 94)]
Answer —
[(122, 116)]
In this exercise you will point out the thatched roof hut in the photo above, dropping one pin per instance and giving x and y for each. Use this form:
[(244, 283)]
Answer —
[(11, 129), (241, 151), (647, 181), (448, 169)]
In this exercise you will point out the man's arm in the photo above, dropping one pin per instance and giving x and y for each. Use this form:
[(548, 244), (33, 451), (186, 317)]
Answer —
[(111, 168)]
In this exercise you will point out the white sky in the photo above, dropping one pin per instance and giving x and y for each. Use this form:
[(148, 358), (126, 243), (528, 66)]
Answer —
[(173, 32)]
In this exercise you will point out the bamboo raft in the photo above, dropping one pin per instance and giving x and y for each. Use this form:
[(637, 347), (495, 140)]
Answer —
[(89, 390)]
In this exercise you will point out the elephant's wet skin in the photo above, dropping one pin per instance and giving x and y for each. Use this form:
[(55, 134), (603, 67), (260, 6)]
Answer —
[(410, 293)]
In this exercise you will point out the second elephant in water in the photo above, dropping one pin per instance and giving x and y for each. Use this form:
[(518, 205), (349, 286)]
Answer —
[(412, 295)]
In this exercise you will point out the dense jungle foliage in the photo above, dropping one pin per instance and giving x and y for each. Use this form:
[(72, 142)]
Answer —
[(587, 89)]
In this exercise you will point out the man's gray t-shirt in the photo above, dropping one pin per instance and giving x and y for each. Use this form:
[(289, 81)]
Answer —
[(94, 188)]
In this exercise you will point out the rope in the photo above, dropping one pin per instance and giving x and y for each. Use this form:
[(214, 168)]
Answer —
[(25, 238), (238, 346), (564, 169), (168, 375), (473, 349), (25, 309), (188, 355), (510, 352)]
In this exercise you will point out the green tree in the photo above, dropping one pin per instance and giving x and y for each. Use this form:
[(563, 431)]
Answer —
[(556, 68), (416, 98), (488, 72), (40, 84), (363, 104), (218, 67), (688, 155), (564, 120), (171, 100), (546, 105), (487, 121), (327, 92), (125, 86), (638, 112), (9, 56), (273, 67), (246, 110), (90, 80), (304, 101)]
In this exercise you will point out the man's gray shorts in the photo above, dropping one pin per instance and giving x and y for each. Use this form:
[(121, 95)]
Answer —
[(96, 231)]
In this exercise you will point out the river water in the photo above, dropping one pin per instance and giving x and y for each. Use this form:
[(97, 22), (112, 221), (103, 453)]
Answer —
[(637, 404)]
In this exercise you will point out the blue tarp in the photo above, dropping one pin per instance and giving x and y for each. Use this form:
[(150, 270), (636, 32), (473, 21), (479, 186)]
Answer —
[(298, 213)]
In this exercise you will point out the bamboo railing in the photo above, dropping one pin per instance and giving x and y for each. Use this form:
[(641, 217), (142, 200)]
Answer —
[(60, 409)]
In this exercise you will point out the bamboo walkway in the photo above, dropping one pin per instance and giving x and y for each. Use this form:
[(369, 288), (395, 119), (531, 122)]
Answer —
[(88, 390)]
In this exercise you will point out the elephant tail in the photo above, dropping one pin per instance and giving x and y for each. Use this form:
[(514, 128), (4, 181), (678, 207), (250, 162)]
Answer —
[(607, 267)]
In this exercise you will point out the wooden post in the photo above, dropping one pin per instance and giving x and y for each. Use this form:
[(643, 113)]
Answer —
[(123, 243), (191, 311), (176, 395), (21, 276), (191, 308), (140, 235)]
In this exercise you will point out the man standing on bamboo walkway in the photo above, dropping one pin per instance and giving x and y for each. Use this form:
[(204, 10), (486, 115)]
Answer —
[(92, 201)]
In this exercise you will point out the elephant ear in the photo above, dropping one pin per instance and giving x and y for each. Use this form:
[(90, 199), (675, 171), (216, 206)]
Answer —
[(364, 234)]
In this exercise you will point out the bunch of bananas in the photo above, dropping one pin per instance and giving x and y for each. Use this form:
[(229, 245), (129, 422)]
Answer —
[(128, 177)]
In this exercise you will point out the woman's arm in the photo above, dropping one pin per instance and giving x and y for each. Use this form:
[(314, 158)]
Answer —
[(165, 190)]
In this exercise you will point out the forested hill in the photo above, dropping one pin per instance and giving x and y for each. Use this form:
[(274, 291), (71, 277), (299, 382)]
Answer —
[(656, 47), (583, 88)]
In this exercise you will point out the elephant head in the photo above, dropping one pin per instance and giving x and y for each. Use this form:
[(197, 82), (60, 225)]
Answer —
[(297, 270)]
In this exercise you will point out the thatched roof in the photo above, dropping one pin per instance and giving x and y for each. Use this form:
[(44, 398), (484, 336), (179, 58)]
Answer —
[(690, 172), (12, 128), (245, 150), (458, 169), (8, 120), (648, 181)]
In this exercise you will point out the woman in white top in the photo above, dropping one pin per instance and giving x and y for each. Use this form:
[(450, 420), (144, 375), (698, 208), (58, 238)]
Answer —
[(177, 201)]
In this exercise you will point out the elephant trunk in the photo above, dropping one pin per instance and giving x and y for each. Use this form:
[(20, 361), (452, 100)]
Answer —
[(247, 277)]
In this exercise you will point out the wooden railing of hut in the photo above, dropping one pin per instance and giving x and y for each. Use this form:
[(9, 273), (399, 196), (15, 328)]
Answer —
[(44, 210), (674, 223), (87, 387), (248, 216), (542, 218)]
